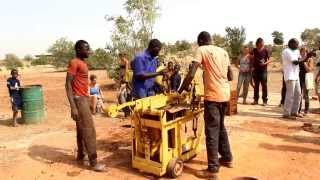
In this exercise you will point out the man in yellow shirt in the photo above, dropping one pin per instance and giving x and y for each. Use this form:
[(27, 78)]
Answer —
[(216, 76)]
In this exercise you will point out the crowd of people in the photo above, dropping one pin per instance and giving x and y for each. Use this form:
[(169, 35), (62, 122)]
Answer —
[(298, 66), (86, 98)]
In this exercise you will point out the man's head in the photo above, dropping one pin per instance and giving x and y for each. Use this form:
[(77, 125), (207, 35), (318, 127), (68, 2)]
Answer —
[(303, 51), (154, 47), (245, 50), (204, 38), (293, 44), (14, 73), (170, 65), (259, 43), (176, 68), (93, 78), (123, 56), (82, 49)]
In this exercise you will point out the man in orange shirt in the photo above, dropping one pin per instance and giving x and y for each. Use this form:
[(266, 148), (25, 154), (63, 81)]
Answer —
[(77, 91), (216, 76)]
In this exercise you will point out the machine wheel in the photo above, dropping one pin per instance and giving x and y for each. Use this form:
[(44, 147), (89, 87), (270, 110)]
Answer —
[(175, 167)]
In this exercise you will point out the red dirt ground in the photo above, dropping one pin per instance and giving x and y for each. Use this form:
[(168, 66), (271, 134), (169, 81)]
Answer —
[(264, 145)]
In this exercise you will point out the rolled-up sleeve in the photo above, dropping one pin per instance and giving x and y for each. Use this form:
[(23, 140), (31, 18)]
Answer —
[(138, 66)]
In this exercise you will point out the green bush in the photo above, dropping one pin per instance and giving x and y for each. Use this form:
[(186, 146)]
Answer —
[(12, 61), (42, 60), (62, 51), (178, 46), (276, 52), (28, 57), (183, 45), (100, 59)]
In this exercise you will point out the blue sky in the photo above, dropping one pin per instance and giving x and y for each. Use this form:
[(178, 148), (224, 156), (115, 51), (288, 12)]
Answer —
[(31, 26)]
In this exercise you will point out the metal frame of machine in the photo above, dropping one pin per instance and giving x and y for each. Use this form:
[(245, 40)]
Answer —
[(157, 122)]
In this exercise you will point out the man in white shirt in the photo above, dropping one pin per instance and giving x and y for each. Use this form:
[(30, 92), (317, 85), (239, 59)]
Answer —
[(290, 61)]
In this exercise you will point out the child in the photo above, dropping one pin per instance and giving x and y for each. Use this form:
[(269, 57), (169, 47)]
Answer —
[(175, 79), (244, 73), (306, 77), (96, 96), (123, 97), (13, 85)]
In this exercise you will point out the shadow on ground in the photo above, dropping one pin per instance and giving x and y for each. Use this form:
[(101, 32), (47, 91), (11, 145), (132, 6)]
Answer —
[(275, 113), (297, 149), (298, 139), (8, 122), (120, 157), (50, 155)]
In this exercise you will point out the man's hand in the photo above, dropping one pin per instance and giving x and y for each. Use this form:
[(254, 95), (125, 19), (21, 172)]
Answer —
[(75, 114), (189, 77), (74, 110), (164, 71), (266, 63), (317, 79), (296, 62), (230, 74)]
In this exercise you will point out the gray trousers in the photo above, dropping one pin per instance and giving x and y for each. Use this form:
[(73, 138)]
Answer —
[(244, 79), (293, 97)]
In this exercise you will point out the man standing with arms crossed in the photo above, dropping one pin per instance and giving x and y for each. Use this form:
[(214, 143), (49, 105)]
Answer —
[(217, 72), (77, 91)]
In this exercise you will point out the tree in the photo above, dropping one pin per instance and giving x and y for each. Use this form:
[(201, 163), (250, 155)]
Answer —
[(250, 45), (100, 60), (311, 37), (182, 45), (144, 12), (42, 60), (62, 51), (276, 52), (277, 38), (133, 31), (122, 38), (219, 40), (12, 61), (28, 57), (235, 39)]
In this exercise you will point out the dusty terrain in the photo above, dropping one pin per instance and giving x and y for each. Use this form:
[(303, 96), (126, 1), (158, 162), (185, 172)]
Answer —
[(264, 145)]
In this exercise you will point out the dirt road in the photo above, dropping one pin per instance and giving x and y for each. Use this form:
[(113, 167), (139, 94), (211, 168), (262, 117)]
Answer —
[(264, 145)]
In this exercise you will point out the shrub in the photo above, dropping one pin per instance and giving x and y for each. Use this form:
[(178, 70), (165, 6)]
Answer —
[(42, 60), (12, 61)]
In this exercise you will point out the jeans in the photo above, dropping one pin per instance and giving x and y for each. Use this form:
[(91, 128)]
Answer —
[(260, 77), (305, 93), (86, 133), (216, 135), (244, 78), (293, 97)]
